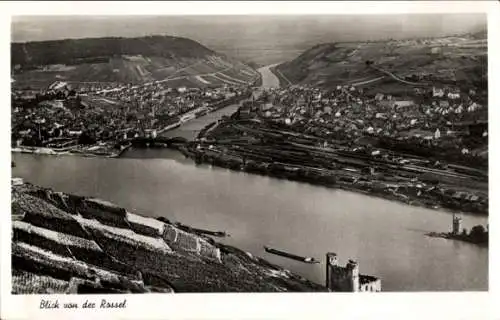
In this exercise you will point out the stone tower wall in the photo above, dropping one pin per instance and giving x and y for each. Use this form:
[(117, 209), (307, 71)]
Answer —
[(338, 278)]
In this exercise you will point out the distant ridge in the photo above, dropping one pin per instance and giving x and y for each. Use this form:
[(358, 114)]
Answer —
[(458, 59), (125, 60), (75, 51)]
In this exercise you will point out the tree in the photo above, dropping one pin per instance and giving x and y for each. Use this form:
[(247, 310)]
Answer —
[(86, 139), (105, 134), (57, 132), (477, 230), (478, 234)]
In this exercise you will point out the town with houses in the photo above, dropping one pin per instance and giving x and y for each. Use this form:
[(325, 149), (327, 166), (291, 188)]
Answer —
[(95, 119), (433, 116)]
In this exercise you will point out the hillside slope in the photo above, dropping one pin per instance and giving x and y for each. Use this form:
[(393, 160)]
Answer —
[(124, 60), (64, 243), (457, 59)]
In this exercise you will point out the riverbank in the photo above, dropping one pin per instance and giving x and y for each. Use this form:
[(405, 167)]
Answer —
[(283, 81), (87, 151), (64, 243), (257, 147), (310, 176)]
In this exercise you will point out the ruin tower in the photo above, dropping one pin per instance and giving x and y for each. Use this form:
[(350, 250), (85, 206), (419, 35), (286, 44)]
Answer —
[(457, 224), (331, 262), (353, 274)]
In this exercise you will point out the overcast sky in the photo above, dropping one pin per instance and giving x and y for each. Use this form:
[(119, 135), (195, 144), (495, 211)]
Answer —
[(222, 28), (249, 36)]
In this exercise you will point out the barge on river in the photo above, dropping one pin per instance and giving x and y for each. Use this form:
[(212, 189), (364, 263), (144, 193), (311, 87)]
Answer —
[(290, 256), (204, 231)]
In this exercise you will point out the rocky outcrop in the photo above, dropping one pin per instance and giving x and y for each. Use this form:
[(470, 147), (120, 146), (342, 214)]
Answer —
[(64, 243), (190, 242)]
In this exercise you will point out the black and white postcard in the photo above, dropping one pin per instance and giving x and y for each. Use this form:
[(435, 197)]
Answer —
[(164, 153)]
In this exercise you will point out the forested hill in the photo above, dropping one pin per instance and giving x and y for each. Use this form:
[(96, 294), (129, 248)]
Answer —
[(75, 51)]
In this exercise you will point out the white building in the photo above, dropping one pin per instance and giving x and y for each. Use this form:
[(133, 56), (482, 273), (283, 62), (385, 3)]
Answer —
[(75, 132), (437, 134), (437, 92), (17, 181)]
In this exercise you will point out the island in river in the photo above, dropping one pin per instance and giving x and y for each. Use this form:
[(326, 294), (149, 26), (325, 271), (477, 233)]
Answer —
[(478, 234), (482, 241)]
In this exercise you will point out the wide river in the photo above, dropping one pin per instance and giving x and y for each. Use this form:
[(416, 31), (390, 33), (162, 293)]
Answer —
[(387, 238)]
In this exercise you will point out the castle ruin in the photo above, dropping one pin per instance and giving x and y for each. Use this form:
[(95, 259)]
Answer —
[(348, 279)]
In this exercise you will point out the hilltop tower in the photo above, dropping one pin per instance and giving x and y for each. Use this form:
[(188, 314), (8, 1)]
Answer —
[(457, 225)]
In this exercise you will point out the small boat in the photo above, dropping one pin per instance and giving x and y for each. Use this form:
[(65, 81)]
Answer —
[(12, 164), (187, 117), (216, 233), (290, 256), (204, 231), (201, 112)]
